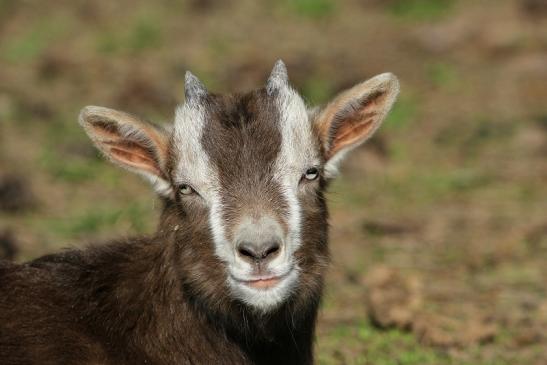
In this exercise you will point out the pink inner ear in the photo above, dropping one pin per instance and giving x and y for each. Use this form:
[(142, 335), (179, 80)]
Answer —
[(354, 127), (133, 154), (352, 130), (107, 132), (134, 159)]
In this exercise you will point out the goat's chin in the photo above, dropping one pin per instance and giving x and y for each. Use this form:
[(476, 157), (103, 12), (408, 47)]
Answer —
[(264, 299)]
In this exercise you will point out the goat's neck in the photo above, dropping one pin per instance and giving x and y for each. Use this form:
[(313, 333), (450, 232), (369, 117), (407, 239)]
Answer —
[(153, 308)]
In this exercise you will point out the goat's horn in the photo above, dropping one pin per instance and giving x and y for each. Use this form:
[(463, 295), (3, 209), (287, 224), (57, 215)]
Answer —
[(193, 88), (278, 78)]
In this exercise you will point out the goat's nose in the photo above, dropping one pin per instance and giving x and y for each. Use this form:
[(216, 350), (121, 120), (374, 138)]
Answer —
[(258, 252)]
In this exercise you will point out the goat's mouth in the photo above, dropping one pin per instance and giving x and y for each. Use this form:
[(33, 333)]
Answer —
[(264, 291), (263, 282)]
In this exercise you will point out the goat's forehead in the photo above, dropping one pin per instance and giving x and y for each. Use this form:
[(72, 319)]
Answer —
[(242, 130), (241, 133)]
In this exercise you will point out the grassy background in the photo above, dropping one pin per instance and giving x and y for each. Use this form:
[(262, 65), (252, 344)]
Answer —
[(451, 193)]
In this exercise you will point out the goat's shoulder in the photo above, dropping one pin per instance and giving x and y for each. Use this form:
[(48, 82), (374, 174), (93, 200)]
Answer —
[(59, 270), (36, 320), (42, 305)]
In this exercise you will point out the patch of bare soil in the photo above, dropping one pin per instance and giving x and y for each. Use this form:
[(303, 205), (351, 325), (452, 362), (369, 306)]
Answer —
[(395, 300)]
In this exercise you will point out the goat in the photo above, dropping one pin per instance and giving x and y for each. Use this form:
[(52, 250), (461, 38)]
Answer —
[(234, 273)]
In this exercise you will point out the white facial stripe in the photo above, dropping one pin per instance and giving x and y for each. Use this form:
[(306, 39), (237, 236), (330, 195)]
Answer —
[(193, 164), (223, 249), (297, 153), (194, 167)]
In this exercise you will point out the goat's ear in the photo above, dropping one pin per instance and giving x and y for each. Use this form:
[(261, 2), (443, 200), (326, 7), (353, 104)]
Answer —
[(353, 116), (129, 142)]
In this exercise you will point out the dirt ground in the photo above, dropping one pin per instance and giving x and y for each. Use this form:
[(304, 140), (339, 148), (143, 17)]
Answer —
[(439, 224)]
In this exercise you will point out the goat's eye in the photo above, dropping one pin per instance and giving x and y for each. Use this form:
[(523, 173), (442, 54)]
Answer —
[(186, 189), (312, 173)]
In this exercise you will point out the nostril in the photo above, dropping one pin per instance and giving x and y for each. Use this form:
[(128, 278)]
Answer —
[(247, 251), (272, 250)]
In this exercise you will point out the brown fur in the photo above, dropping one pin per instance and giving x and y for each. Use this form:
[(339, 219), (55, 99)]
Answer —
[(164, 299)]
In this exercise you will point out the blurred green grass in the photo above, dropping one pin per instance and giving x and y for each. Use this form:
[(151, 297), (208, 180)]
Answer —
[(144, 33), (100, 220), (312, 9), (32, 42), (372, 346), (421, 10)]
